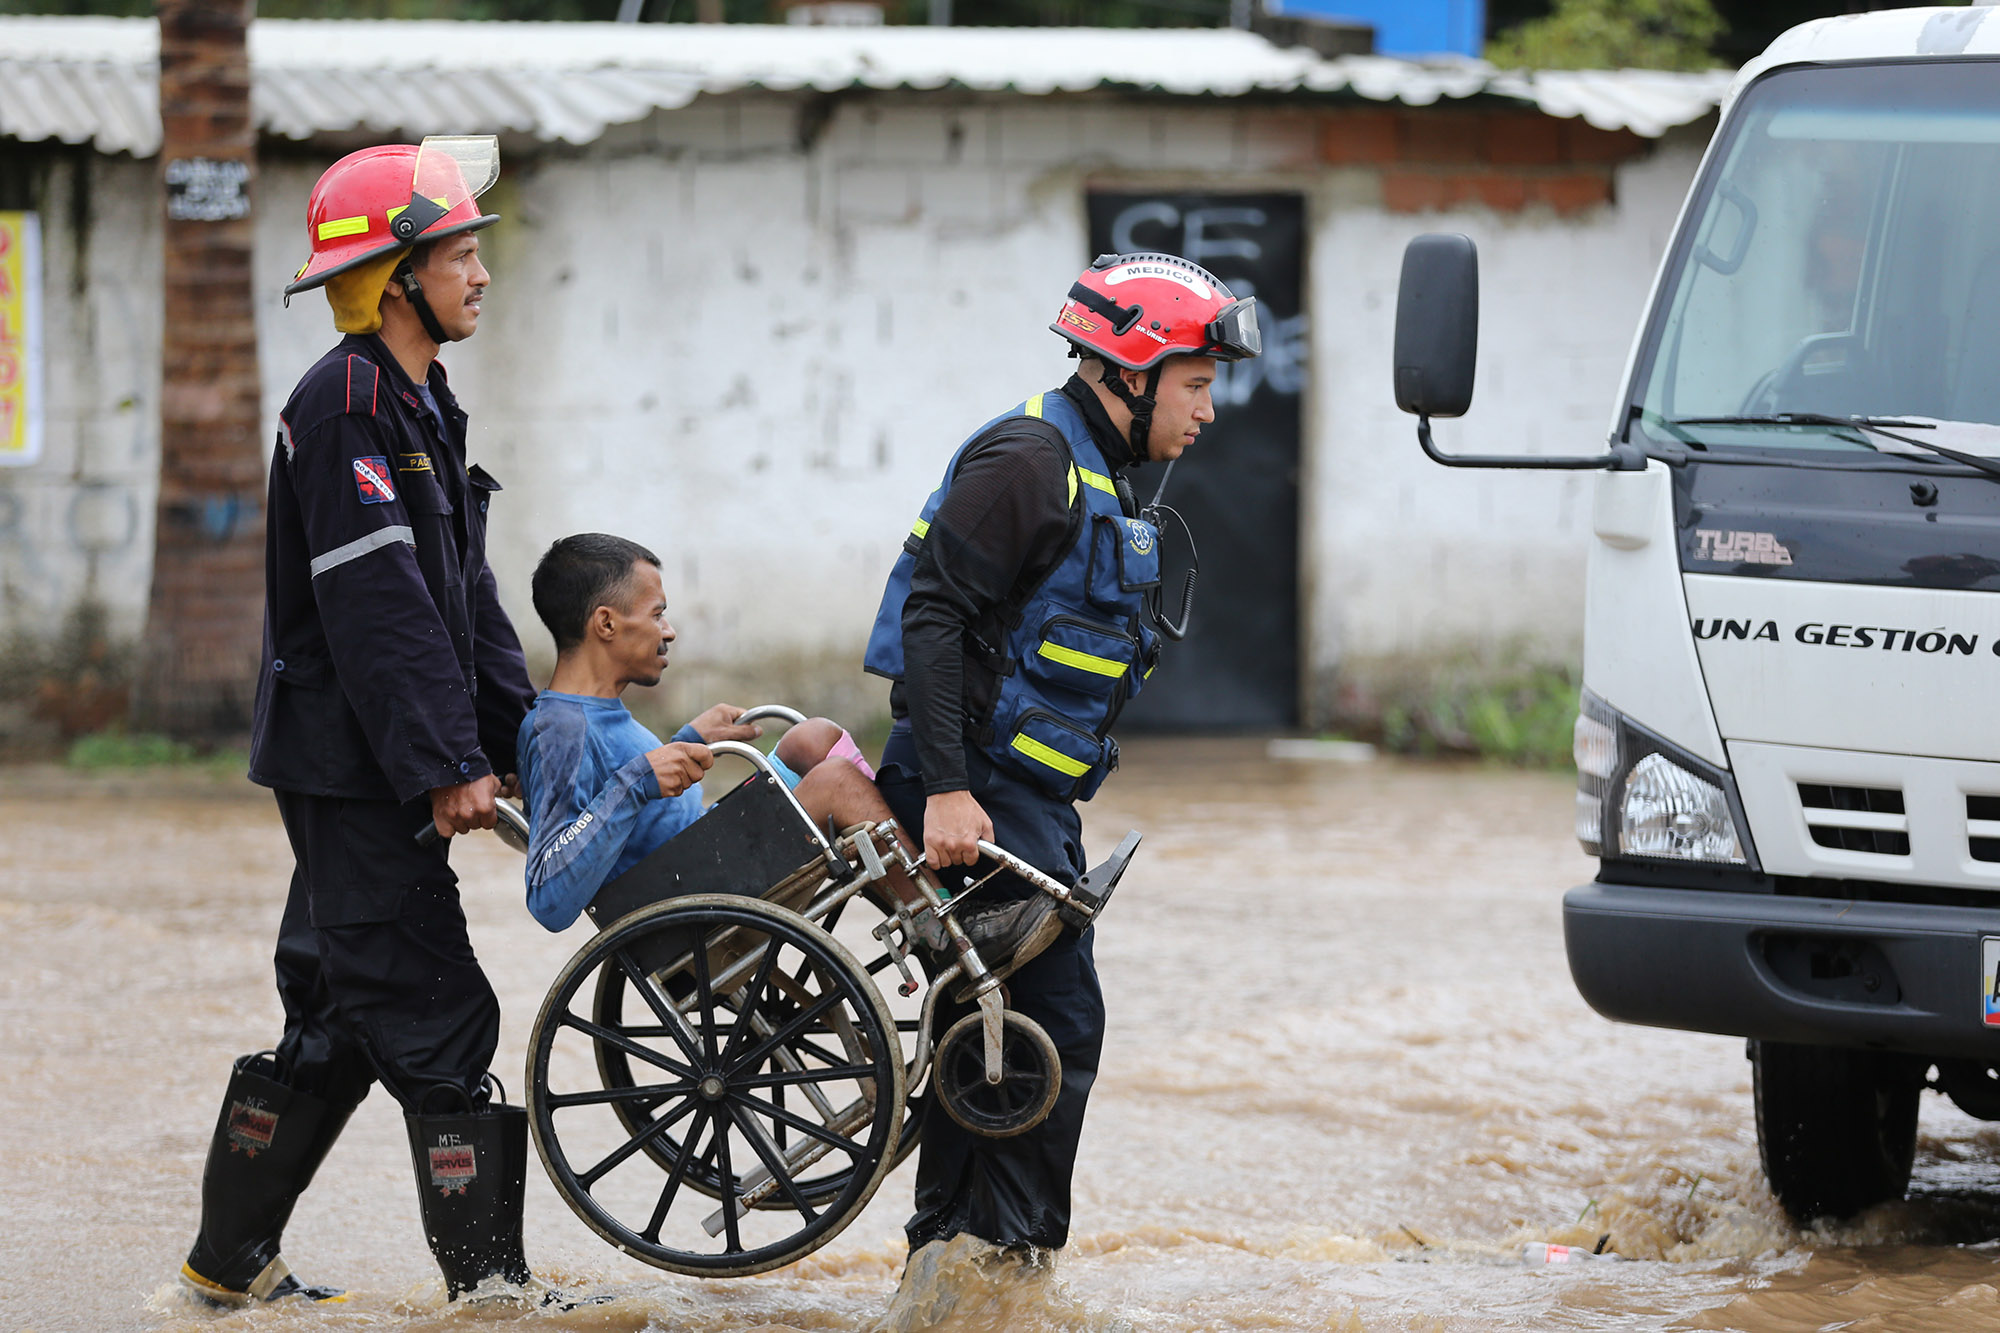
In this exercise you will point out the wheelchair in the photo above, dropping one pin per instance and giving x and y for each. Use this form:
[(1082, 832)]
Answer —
[(717, 1081)]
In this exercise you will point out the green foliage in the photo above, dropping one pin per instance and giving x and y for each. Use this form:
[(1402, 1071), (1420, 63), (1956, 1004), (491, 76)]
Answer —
[(1519, 714), (1613, 34), (115, 749)]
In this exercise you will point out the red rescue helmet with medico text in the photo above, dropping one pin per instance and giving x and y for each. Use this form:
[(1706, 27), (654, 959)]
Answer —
[(393, 197), (1138, 309)]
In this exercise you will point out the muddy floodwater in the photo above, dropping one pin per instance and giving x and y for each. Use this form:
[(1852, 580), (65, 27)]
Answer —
[(1346, 1080)]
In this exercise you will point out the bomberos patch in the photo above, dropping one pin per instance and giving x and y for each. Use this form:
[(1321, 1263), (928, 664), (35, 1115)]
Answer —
[(371, 479)]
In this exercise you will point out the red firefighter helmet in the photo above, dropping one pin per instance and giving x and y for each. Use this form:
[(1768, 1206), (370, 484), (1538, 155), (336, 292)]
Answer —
[(393, 197), (1137, 310)]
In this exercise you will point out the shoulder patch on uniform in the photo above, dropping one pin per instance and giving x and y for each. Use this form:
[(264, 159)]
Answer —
[(363, 378), (371, 478)]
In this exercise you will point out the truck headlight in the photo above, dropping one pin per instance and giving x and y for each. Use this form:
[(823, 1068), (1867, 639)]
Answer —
[(1667, 811), (1639, 795)]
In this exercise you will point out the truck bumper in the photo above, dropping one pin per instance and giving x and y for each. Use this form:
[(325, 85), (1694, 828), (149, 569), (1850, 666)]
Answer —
[(1891, 976)]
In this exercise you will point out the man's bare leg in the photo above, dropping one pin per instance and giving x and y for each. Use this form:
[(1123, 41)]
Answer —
[(835, 789)]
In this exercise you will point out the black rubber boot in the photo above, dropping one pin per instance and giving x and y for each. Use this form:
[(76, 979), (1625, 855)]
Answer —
[(268, 1142), (472, 1174)]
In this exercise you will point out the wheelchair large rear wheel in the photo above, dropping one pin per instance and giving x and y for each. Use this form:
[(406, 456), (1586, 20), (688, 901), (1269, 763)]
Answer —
[(772, 1096), (851, 923)]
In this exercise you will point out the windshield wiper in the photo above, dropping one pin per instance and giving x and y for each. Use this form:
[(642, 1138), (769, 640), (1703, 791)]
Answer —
[(1877, 425)]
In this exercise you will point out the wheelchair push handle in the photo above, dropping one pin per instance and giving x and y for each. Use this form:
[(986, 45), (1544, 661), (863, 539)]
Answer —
[(791, 717), (511, 826)]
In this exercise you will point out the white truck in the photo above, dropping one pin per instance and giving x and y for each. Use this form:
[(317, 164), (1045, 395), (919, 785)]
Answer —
[(1788, 750)]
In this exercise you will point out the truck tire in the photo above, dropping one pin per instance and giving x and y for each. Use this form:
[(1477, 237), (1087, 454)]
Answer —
[(1836, 1128)]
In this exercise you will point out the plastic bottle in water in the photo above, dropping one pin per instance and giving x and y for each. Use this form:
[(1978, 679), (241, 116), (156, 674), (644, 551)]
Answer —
[(1539, 1255)]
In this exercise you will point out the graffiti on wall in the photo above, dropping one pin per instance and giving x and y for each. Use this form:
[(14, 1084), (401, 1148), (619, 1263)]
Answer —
[(1228, 240), (1238, 487)]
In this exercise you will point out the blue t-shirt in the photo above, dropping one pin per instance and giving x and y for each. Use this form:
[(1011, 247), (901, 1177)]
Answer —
[(594, 804), (437, 413)]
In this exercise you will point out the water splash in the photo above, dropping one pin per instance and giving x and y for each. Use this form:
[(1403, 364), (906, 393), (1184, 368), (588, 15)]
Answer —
[(968, 1285)]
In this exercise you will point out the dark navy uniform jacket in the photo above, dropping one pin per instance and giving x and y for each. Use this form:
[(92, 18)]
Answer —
[(389, 667)]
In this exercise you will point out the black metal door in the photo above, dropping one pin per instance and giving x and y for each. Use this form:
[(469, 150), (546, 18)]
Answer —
[(1238, 486)]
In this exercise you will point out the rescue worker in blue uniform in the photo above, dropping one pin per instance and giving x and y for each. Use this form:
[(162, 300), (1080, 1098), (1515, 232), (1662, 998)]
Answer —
[(1021, 616), (392, 688)]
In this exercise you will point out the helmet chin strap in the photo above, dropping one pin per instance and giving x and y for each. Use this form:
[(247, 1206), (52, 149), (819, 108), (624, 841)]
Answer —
[(1140, 405), (413, 292)]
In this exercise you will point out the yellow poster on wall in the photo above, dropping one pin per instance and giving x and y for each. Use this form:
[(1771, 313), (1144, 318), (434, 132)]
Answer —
[(20, 339)]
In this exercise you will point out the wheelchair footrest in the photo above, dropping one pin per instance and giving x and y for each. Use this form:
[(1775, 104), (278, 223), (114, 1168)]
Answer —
[(1093, 891)]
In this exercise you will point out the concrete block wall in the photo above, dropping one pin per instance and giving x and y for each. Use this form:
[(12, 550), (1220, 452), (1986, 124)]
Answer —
[(76, 527), (750, 331)]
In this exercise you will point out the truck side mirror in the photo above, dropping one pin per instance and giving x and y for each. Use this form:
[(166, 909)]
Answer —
[(1437, 325)]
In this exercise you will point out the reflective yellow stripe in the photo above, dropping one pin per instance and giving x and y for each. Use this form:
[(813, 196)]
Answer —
[(1097, 479), (1055, 759), (343, 227), (1089, 478), (1033, 407), (1070, 657), (921, 528)]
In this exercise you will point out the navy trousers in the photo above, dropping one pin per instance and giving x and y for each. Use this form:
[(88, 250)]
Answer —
[(375, 969), (1013, 1191)]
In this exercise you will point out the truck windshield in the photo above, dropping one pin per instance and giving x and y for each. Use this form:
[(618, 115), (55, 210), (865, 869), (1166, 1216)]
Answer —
[(1842, 259)]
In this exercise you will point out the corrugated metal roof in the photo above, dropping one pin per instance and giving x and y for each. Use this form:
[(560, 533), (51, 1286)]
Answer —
[(94, 80)]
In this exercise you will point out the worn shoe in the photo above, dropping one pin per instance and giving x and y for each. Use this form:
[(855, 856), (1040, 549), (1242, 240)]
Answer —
[(276, 1283), (1008, 933)]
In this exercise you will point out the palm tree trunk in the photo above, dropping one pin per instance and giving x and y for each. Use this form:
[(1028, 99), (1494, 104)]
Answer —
[(199, 659)]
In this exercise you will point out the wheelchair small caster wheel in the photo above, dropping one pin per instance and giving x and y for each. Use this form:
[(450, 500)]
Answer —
[(1031, 1076)]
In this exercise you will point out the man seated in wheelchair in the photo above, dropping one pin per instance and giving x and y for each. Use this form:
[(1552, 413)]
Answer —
[(603, 793)]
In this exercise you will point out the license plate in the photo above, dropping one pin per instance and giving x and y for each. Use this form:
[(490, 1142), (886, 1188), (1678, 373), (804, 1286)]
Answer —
[(1989, 980)]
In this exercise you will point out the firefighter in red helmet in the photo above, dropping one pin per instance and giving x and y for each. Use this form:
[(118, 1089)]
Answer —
[(1023, 613), (391, 691)]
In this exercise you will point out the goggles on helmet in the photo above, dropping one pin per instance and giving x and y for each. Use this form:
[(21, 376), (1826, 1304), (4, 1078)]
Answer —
[(1233, 333)]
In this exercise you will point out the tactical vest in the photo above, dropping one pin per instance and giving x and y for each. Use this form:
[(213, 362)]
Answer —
[(1076, 647)]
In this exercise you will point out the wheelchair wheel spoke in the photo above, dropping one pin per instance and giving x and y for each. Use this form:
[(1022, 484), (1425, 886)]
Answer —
[(793, 1026), (636, 1142), (670, 1018), (650, 1095), (750, 996), (800, 1123), (726, 1173), (674, 1177), (772, 1162), (787, 1078), (704, 998), (611, 1037), (803, 1043)]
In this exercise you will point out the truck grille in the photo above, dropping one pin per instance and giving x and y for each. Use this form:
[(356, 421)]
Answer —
[(1982, 827), (1868, 819)]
